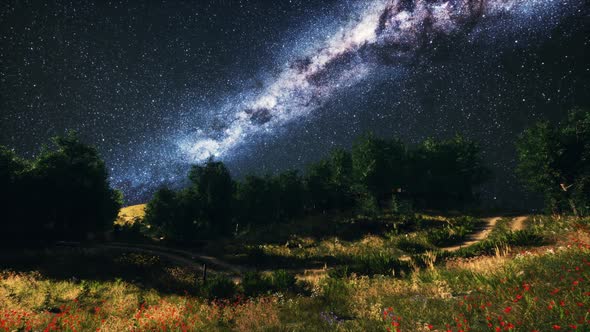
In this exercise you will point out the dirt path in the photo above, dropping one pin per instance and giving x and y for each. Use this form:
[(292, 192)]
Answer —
[(477, 236), (518, 223), (184, 257)]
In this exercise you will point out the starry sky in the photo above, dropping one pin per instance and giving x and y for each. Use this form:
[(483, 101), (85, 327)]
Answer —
[(269, 85)]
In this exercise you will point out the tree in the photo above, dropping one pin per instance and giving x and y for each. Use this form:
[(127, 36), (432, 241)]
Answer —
[(255, 201), (291, 194), (318, 186), (555, 161), (341, 178), (213, 184), (12, 195), (72, 190), (161, 214), (379, 166), (65, 192), (445, 174)]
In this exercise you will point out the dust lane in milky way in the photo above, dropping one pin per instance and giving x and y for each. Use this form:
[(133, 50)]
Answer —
[(385, 33)]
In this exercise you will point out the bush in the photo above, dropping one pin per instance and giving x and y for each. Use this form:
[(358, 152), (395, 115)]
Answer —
[(335, 293), (367, 205), (254, 284), (219, 287), (401, 207), (380, 263), (447, 236), (412, 245), (283, 280)]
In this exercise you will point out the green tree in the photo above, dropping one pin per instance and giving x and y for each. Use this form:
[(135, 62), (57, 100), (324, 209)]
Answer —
[(341, 178), (446, 174), (255, 200), (291, 194), (554, 160), (318, 186), (12, 194), (161, 213), (71, 189), (213, 183), (379, 166)]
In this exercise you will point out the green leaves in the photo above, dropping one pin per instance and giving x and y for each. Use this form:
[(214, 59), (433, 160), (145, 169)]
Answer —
[(555, 160)]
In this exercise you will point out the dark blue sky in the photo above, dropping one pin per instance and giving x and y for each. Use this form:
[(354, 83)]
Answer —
[(271, 85)]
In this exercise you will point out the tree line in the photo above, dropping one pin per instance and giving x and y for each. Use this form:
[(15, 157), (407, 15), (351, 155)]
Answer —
[(64, 192), (437, 174)]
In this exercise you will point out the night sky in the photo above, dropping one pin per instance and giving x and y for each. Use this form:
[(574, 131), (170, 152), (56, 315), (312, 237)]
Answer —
[(270, 85)]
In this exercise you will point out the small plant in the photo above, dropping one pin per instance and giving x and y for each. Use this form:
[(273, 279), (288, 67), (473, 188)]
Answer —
[(282, 280), (335, 293), (219, 287), (254, 283)]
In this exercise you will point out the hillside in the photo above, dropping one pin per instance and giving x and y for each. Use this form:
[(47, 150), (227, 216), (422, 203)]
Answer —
[(328, 273), (128, 214)]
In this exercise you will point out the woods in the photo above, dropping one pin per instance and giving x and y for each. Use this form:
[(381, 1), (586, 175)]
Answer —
[(64, 192), (435, 174)]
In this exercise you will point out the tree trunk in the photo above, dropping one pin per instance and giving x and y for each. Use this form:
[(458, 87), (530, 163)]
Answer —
[(574, 209)]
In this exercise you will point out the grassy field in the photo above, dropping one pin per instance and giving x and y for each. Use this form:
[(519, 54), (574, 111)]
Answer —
[(342, 274)]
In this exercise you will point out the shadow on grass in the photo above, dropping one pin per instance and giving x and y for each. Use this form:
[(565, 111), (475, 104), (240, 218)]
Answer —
[(77, 264)]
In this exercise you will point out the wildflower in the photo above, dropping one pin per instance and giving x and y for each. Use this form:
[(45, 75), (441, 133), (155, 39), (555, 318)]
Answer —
[(556, 327), (507, 309)]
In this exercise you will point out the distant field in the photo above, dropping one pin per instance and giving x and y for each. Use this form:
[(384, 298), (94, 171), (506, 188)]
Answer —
[(128, 214)]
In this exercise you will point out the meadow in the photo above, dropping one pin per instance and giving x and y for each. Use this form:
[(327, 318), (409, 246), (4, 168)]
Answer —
[(337, 273)]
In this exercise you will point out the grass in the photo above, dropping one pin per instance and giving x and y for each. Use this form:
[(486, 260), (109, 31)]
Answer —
[(519, 286)]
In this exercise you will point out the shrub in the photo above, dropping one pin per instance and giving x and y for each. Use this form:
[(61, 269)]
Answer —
[(254, 284), (335, 294), (283, 280), (367, 205), (380, 263), (219, 287), (401, 207), (412, 245)]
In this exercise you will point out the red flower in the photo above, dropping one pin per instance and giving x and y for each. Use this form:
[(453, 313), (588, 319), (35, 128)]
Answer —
[(430, 327), (556, 327), (507, 309)]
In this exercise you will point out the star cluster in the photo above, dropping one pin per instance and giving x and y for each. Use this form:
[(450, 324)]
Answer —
[(267, 86)]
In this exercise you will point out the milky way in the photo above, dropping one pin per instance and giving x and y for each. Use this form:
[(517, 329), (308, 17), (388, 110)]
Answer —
[(269, 85), (385, 33)]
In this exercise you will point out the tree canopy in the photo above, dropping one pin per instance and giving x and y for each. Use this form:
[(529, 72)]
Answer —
[(64, 193), (377, 172), (554, 160)]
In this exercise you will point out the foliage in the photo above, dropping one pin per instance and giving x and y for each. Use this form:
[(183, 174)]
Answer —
[(219, 287), (67, 186), (254, 283), (445, 174), (377, 172), (554, 160)]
